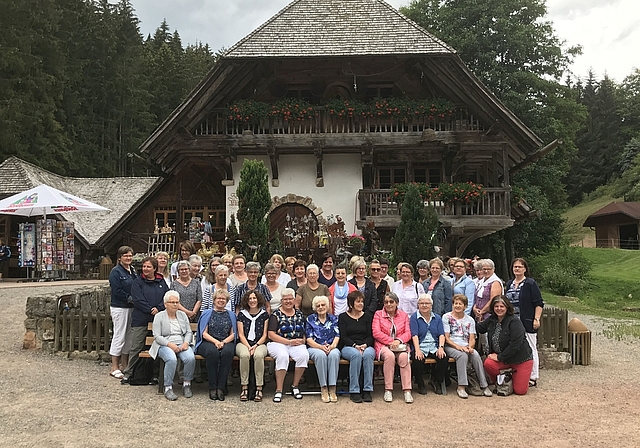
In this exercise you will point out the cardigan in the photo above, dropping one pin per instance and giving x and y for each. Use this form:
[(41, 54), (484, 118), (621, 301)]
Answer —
[(514, 347), (162, 328), (419, 326), (530, 298), (203, 322)]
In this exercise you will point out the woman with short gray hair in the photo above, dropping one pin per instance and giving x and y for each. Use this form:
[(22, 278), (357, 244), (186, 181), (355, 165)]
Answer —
[(323, 337)]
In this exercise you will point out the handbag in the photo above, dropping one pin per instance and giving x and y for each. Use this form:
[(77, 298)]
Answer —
[(473, 388), (399, 349), (504, 382)]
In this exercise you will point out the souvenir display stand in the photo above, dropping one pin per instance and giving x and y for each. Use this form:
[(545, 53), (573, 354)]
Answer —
[(55, 248)]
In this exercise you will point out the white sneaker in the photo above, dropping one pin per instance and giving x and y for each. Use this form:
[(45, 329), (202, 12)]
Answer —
[(408, 398), (487, 392), (463, 393), (388, 396)]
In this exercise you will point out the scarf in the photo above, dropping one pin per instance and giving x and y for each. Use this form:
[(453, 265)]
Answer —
[(252, 328)]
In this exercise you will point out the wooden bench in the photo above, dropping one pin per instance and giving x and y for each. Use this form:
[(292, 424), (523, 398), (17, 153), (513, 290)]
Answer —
[(194, 328)]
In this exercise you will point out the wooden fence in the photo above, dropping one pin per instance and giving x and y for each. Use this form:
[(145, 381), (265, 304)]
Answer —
[(82, 331), (553, 330)]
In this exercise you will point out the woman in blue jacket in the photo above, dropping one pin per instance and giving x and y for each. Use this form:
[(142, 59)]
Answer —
[(121, 279), (147, 292)]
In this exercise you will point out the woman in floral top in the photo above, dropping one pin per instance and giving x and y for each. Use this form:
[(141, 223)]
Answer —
[(323, 336)]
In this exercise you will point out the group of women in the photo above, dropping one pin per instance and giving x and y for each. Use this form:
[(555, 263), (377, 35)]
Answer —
[(325, 315)]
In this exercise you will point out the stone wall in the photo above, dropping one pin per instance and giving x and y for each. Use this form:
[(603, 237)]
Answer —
[(41, 311)]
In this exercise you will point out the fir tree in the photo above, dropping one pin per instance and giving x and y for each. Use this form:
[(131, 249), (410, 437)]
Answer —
[(254, 203)]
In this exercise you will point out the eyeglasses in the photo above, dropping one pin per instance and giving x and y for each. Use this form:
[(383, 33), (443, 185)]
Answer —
[(424, 304), (374, 269), (459, 266), (389, 301), (487, 269), (173, 303)]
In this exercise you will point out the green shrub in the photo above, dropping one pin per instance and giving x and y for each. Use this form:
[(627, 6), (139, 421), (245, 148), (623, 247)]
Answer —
[(564, 271)]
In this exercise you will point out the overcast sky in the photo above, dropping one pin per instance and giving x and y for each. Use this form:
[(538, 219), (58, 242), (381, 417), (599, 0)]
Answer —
[(608, 30)]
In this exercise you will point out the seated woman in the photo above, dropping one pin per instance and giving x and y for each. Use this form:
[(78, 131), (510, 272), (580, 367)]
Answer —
[(252, 335), (171, 338), (427, 334), (508, 346), (216, 342), (391, 333), (323, 336), (356, 340), (287, 336), (460, 339)]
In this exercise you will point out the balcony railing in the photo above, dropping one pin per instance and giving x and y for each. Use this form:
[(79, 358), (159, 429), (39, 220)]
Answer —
[(496, 202), (218, 123)]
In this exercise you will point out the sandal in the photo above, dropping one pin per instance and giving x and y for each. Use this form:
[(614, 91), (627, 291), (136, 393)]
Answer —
[(277, 397), (244, 395), (296, 393), (117, 374), (258, 397)]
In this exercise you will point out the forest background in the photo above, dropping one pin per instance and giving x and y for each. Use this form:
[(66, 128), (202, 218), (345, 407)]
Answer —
[(81, 88)]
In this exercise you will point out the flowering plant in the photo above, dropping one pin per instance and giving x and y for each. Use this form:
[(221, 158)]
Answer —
[(292, 110), (458, 192), (400, 190)]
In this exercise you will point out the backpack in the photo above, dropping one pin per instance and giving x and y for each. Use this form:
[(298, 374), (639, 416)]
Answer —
[(143, 373)]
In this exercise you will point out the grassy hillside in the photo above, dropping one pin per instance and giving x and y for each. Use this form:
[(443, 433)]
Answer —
[(613, 283), (575, 217)]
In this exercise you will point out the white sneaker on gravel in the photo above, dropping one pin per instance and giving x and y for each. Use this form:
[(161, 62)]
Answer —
[(388, 396), (463, 393), (408, 398), (487, 392)]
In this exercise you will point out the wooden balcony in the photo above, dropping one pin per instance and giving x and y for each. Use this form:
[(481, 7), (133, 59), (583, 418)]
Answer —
[(490, 213), (218, 123)]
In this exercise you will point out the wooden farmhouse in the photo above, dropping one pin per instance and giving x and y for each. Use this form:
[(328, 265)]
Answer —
[(319, 93)]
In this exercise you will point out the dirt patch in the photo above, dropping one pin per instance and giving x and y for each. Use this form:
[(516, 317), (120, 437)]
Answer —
[(52, 401)]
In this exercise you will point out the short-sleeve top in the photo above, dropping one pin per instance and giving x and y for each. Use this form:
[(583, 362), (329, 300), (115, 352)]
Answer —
[(460, 330), (189, 295), (308, 294), (322, 333), (219, 325), (289, 327), (246, 325)]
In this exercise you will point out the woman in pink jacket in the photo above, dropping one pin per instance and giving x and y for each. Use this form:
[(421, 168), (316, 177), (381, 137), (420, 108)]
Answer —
[(392, 333)]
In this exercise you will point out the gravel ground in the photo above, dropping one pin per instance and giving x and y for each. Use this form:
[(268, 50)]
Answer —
[(50, 401)]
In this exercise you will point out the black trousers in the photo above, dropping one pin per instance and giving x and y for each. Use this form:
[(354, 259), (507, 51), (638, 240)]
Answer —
[(218, 363), (439, 370)]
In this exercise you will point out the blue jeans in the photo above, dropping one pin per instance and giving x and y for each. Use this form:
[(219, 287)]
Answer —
[(171, 361), (358, 361), (326, 364)]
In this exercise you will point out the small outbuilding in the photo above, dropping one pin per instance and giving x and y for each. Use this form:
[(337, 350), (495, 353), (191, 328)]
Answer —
[(616, 225)]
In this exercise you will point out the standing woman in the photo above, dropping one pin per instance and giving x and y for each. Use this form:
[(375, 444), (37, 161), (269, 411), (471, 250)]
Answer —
[(438, 286), (190, 291), (323, 337), (364, 285), (422, 267), (392, 334), (147, 292), (299, 275), (326, 276), (281, 277), (508, 346), (287, 340), (289, 262), (382, 287), (163, 266), (462, 283), (526, 298), (216, 343), (253, 274), (407, 290), (489, 287), (221, 275), (252, 338), (209, 275), (340, 290), (274, 287), (121, 279), (306, 293), (186, 249), (357, 342)]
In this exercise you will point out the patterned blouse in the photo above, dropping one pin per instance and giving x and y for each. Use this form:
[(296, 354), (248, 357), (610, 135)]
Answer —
[(322, 333), (189, 295), (289, 327)]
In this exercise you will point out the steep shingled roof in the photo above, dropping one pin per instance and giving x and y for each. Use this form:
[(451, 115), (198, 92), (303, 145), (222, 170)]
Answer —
[(308, 28), (119, 194)]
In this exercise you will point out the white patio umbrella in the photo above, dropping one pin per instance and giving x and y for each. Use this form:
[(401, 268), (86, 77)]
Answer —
[(45, 200)]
